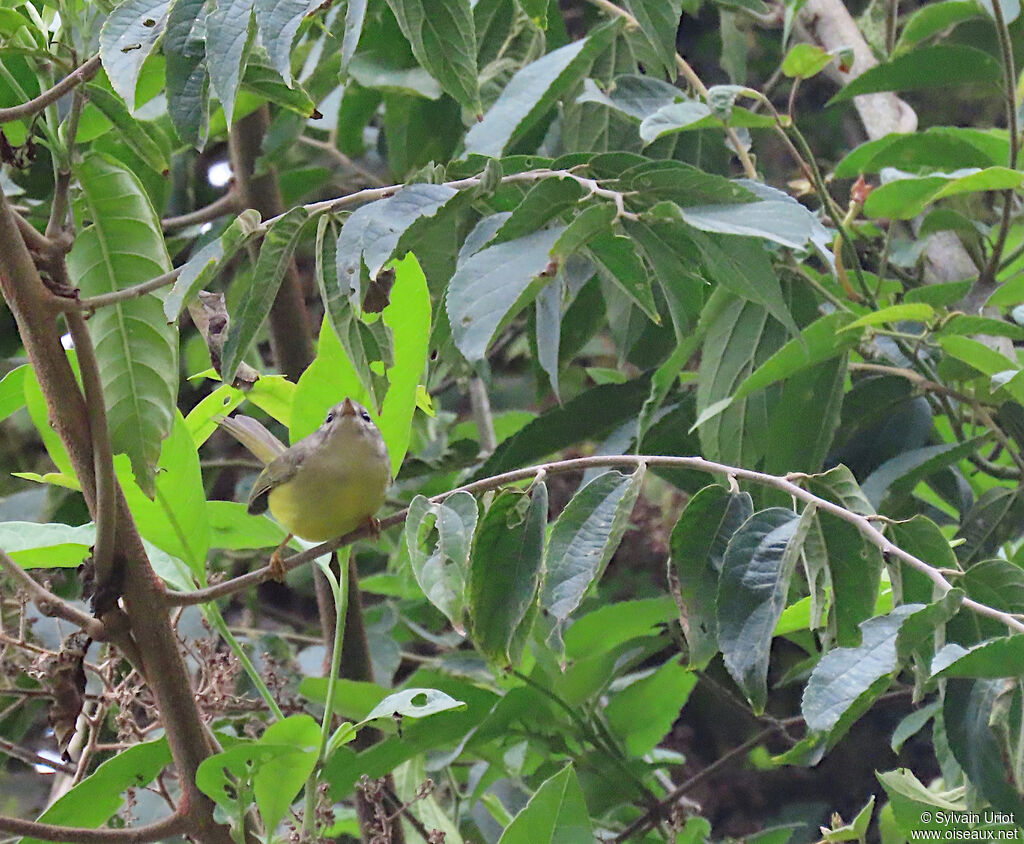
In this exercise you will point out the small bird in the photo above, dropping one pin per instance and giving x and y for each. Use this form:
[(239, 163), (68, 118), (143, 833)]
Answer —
[(323, 486)]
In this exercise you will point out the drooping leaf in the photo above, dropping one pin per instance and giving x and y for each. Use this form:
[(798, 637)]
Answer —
[(925, 67), (275, 258), (128, 36), (935, 18), (442, 573), (137, 351), (279, 22), (937, 148), (584, 538), (756, 570), (228, 38), (698, 545), (492, 285), (902, 199), (186, 72), (136, 133), (500, 594), (656, 40), (443, 39), (660, 697), (618, 260), (533, 90)]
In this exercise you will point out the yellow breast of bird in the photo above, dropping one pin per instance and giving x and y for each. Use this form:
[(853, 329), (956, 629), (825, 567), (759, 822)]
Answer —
[(334, 496)]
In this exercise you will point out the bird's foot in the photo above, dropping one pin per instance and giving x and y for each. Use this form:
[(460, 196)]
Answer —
[(277, 567)]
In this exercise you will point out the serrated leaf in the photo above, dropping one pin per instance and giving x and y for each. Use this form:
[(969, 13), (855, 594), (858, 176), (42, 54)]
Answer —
[(556, 812), (372, 234), (278, 22), (632, 95), (698, 544), (544, 201), (902, 473), (926, 67), (355, 16), (187, 77), (533, 90), (904, 198), (492, 285), (937, 148), (756, 570), (121, 245), (443, 572), (443, 39), (592, 221), (584, 538), (993, 658), (263, 80), (659, 22), (511, 531), (227, 42), (128, 36), (618, 260), (276, 252)]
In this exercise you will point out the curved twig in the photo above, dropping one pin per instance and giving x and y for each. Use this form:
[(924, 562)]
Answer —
[(174, 825), (81, 74), (49, 604), (218, 208)]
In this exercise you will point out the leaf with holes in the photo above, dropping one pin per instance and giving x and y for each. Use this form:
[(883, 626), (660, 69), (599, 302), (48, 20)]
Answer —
[(128, 36)]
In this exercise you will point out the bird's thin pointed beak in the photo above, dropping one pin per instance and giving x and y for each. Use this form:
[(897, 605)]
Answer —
[(348, 408)]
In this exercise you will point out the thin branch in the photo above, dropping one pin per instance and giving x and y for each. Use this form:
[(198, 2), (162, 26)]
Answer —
[(222, 205), (172, 826), (49, 604), (785, 484), (30, 757), (81, 74), (134, 292), (34, 239)]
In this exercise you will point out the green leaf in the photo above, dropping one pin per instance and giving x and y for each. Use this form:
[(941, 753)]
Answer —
[(330, 375), (933, 19), (805, 60), (902, 473), (414, 703), (12, 391), (991, 521), (52, 545), (937, 148), (443, 39), (556, 814), (991, 659), (996, 583), (611, 625), (121, 245), (741, 265), (907, 197), (175, 519), (681, 183), (493, 285), (263, 80), (35, 402), (533, 90), (693, 115), (97, 798), (912, 724), (845, 683), (617, 259), (925, 67), (655, 42), (275, 258), (279, 22), (636, 97), (371, 236), (232, 528), (970, 711), (660, 696), (756, 570), (500, 597), (592, 221), (186, 73), (977, 355), (128, 36), (544, 201), (228, 38), (408, 317), (134, 132), (442, 573), (913, 311), (856, 830), (584, 538), (203, 267), (355, 16), (698, 544)]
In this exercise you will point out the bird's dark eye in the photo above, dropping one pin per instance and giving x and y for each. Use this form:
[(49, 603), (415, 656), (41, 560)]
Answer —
[(366, 416), (330, 418)]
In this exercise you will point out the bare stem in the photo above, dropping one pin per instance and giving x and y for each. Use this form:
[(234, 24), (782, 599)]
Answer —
[(48, 603), (167, 828), (79, 75), (225, 204)]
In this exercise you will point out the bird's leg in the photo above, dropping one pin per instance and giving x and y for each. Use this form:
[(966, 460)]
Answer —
[(277, 569), (374, 525)]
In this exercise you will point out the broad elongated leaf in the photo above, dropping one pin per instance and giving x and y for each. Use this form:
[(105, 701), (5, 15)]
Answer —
[(544, 201), (925, 67), (901, 474), (505, 569), (12, 391), (136, 133), (756, 571), (128, 36), (52, 545), (993, 658), (492, 285), (937, 148), (698, 545), (656, 39), (585, 537), (274, 260), (905, 198), (355, 15), (443, 39), (278, 22), (557, 812), (693, 115), (442, 573), (533, 90), (618, 260), (660, 697), (97, 798), (995, 516), (372, 234), (187, 76), (414, 703), (121, 245), (227, 41), (934, 18)]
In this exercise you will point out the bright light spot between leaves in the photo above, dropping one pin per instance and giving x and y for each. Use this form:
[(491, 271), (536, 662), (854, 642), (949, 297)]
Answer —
[(46, 769), (219, 174), (67, 342)]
